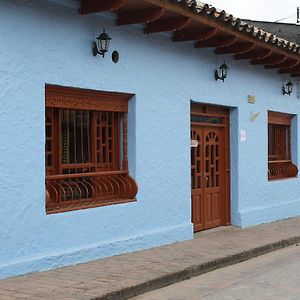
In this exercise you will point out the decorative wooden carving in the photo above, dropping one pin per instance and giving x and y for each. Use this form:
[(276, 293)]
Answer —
[(107, 125), (81, 103), (94, 6), (74, 98), (167, 25), (141, 16)]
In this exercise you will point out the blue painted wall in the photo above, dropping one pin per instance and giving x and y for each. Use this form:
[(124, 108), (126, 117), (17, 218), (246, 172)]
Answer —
[(47, 42)]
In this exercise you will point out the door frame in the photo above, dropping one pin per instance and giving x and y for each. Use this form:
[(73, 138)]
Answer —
[(224, 112)]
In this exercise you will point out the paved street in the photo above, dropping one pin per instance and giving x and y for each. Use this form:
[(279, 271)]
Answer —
[(271, 276), (122, 276)]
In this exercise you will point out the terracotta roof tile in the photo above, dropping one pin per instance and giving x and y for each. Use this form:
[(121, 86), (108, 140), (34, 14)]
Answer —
[(239, 25)]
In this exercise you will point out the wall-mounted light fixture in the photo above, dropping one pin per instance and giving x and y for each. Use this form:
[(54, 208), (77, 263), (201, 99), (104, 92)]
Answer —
[(222, 72), (287, 89), (102, 44)]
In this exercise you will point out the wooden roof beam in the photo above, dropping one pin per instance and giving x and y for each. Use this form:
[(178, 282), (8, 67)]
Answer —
[(194, 35), (140, 16), (288, 63), (216, 42), (272, 59), (236, 48), (211, 22), (294, 69), (94, 6), (167, 25), (254, 54)]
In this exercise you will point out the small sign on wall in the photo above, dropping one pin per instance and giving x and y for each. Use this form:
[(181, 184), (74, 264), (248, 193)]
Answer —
[(251, 99), (194, 143), (243, 135)]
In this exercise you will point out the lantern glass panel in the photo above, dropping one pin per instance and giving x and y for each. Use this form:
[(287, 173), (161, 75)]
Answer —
[(224, 70), (223, 73), (99, 45), (104, 45)]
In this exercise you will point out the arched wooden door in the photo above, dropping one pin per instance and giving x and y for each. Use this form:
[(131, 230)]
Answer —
[(209, 170)]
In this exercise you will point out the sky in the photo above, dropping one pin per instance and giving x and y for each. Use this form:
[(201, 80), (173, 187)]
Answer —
[(263, 10)]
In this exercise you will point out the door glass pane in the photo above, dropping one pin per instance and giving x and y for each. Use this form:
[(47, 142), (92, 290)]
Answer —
[(207, 119)]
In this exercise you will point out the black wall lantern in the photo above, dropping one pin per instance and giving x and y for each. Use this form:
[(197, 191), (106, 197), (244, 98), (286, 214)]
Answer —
[(222, 72), (102, 44), (287, 89)]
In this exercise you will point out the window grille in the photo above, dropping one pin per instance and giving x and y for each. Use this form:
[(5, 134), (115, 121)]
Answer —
[(279, 147), (84, 164)]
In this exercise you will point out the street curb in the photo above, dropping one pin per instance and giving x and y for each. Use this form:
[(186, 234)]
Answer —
[(196, 270)]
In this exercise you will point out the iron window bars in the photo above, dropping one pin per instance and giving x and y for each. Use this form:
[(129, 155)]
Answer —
[(85, 166), (279, 147)]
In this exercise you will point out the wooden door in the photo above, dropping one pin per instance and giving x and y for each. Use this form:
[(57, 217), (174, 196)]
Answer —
[(213, 192), (209, 172), (197, 178)]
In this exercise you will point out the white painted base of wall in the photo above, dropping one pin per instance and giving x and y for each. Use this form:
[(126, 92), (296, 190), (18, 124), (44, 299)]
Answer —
[(69, 257)]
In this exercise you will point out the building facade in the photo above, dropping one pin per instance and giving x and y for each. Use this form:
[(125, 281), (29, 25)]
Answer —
[(123, 138)]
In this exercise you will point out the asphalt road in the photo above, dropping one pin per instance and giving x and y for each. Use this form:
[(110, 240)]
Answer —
[(272, 276)]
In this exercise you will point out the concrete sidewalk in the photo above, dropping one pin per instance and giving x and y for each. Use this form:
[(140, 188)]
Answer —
[(127, 275)]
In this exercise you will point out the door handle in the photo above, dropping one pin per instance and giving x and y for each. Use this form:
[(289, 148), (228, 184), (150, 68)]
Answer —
[(206, 181)]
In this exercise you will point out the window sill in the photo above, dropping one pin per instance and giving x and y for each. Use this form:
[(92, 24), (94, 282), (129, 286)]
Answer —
[(281, 179), (68, 208)]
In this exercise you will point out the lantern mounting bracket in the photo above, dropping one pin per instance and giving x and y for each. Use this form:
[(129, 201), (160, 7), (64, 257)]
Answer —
[(217, 77), (96, 51)]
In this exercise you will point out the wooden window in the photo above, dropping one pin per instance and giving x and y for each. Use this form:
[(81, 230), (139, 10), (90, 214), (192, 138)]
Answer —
[(86, 152), (279, 147)]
